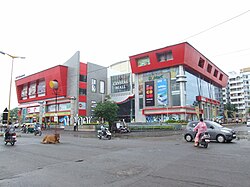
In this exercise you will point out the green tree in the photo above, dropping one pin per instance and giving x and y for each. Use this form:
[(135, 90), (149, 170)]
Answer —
[(107, 110), (230, 109), (14, 114)]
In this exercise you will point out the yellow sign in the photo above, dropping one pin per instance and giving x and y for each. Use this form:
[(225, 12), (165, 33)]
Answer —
[(58, 114)]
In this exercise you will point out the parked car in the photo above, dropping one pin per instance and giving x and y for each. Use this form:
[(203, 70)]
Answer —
[(248, 123), (217, 132)]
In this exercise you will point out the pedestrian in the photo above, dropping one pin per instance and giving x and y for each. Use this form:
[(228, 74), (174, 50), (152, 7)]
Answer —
[(77, 125), (74, 125)]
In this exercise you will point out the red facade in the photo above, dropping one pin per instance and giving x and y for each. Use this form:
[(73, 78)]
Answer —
[(58, 73), (83, 85), (186, 55)]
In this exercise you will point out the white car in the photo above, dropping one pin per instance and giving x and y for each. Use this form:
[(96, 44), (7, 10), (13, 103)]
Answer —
[(248, 123)]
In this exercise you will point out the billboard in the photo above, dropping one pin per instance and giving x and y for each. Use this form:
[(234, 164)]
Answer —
[(162, 92), (149, 93), (120, 83)]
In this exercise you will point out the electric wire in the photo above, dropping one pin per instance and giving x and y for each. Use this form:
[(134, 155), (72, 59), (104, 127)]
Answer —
[(215, 25)]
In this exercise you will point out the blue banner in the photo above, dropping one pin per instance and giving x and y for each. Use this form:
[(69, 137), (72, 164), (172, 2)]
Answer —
[(162, 92)]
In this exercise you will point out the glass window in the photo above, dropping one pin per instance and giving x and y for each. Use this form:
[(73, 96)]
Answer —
[(143, 61), (140, 103), (209, 68), (41, 88), (32, 90), (176, 101), (82, 91), (83, 78), (221, 77), (165, 56), (215, 73), (24, 91), (175, 86), (201, 63)]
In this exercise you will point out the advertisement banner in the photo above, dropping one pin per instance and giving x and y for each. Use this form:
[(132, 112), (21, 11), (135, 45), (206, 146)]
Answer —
[(149, 93), (162, 92)]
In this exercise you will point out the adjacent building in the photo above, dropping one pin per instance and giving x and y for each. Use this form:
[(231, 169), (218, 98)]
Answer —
[(237, 91), (76, 80), (121, 89)]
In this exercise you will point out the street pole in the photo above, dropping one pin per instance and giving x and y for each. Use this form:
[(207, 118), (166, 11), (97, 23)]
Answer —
[(54, 85), (11, 75), (8, 119)]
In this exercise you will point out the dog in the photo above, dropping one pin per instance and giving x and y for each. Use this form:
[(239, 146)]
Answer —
[(51, 139)]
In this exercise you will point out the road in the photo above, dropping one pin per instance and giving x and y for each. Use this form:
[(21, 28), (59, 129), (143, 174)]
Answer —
[(149, 161)]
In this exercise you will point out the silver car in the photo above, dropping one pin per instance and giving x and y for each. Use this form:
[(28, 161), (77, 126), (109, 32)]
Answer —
[(217, 132)]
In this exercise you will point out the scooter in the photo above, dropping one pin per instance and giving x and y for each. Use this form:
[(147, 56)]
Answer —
[(38, 131), (123, 129), (10, 138), (106, 134), (204, 140)]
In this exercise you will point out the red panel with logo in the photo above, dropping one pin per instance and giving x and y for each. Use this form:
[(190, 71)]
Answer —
[(58, 73)]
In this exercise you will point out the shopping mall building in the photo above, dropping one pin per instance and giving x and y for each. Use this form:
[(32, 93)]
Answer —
[(174, 82), (38, 102)]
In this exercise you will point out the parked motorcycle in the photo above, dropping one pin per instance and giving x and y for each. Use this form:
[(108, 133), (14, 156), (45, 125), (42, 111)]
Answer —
[(38, 131), (123, 129), (10, 137), (104, 134), (204, 140)]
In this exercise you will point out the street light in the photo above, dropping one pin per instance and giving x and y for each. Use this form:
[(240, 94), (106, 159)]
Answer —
[(13, 57), (54, 85)]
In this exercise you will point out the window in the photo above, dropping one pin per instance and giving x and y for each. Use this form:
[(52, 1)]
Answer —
[(209, 68), (82, 91), (215, 72), (143, 61), (32, 90), (102, 87), (24, 91), (93, 85), (140, 103), (41, 88), (165, 56), (201, 63), (221, 77), (83, 78)]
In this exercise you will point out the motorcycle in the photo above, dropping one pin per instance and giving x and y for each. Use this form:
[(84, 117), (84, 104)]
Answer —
[(123, 129), (10, 137), (104, 134), (204, 140), (38, 131)]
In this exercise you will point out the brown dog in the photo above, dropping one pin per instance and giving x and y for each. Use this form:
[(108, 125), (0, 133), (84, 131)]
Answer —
[(53, 138)]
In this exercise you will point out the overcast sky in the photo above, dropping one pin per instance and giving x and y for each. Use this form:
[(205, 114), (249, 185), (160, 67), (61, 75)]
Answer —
[(49, 32)]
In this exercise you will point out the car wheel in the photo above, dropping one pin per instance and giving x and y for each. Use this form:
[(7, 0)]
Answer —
[(220, 138), (188, 138)]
